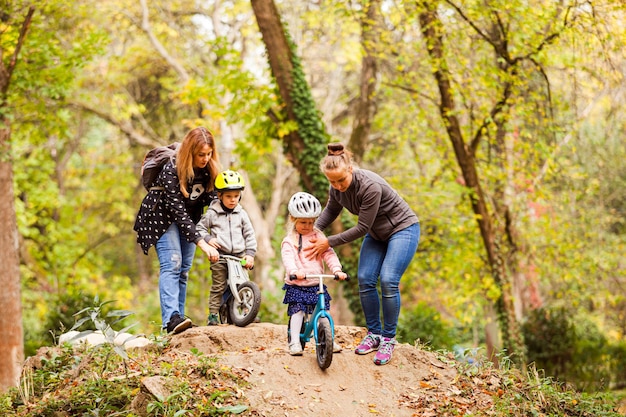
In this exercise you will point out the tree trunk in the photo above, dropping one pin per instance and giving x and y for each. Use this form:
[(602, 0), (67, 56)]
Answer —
[(12, 340), (365, 106), (281, 61), (432, 30)]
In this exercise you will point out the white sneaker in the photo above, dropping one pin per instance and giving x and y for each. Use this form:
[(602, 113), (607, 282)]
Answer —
[(336, 347), (295, 349)]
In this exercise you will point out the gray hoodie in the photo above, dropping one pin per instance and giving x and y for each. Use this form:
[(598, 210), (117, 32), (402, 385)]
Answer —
[(233, 231), (381, 211)]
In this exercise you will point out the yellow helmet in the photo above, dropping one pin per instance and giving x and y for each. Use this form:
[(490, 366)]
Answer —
[(229, 181)]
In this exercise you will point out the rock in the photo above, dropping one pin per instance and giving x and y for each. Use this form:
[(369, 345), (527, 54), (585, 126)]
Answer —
[(95, 338)]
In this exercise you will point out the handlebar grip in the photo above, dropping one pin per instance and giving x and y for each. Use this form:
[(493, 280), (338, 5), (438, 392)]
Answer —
[(292, 277), (337, 277)]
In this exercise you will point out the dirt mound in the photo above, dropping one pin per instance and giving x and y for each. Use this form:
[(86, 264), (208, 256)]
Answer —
[(282, 385)]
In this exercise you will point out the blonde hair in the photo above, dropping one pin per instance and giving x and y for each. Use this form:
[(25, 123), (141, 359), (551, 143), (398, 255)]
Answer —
[(291, 228), (193, 142), (337, 157)]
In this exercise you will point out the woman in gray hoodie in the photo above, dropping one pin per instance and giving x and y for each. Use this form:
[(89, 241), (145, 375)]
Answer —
[(391, 232)]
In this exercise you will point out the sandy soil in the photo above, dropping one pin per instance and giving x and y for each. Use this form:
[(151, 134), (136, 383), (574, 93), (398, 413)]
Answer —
[(414, 383)]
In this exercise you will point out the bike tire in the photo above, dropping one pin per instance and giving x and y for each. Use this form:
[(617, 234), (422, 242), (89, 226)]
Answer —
[(324, 346), (224, 313), (302, 342), (245, 312)]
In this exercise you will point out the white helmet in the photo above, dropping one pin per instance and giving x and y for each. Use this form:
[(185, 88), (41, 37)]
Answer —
[(304, 205)]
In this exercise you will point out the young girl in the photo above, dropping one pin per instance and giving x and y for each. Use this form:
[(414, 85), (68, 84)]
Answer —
[(301, 294)]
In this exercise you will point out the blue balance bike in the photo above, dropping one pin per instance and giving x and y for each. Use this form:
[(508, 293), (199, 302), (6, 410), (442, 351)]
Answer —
[(318, 325)]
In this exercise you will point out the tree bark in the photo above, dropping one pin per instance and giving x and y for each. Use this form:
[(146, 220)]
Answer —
[(281, 63), (432, 30), (365, 106), (12, 340)]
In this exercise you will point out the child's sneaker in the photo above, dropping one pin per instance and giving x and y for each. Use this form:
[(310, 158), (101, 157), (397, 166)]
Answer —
[(213, 320), (336, 347), (369, 344), (383, 356), (295, 349)]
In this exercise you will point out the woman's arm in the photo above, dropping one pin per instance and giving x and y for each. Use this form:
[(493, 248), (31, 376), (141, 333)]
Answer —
[(174, 201), (210, 251)]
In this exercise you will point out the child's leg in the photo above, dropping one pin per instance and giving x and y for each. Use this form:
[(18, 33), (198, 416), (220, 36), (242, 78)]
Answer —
[(295, 326), (219, 277)]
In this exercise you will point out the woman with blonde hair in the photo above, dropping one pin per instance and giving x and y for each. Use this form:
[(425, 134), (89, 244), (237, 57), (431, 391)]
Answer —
[(167, 219)]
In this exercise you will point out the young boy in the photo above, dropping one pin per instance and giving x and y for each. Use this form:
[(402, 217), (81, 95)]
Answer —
[(227, 227)]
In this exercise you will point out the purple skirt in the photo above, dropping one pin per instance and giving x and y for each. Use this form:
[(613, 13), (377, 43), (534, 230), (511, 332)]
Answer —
[(303, 298)]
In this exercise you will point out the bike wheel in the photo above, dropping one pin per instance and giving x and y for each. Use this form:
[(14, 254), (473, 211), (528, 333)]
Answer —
[(225, 312), (225, 307), (324, 346), (302, 342), (245, 312)]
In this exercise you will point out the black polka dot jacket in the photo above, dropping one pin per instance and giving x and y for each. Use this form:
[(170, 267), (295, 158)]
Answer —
[(166, 205)]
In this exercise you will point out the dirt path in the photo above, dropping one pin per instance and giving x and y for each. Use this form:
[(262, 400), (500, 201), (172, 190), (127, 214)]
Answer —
[(281, 385)]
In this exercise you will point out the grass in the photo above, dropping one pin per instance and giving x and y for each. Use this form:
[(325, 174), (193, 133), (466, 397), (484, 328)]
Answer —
[(68, 382), (159, 381)]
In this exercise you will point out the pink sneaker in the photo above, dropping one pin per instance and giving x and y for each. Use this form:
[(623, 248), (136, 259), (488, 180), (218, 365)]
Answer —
[(383, 356), (369, 344)]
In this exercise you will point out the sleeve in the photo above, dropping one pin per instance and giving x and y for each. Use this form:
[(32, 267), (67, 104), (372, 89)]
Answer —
[(174, 202), (329, 214), (203, 226), (331, 259), (368, 211), (248, 234), (288, 253)]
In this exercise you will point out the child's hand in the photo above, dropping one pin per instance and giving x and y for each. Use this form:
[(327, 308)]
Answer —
[(213, 242), (341, 275), (298, 275), (249, 262)]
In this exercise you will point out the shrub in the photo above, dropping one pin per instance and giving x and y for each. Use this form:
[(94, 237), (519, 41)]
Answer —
[(568, 347), (425, 323)]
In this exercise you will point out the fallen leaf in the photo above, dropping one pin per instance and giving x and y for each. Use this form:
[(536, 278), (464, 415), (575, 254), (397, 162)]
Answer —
[(438, 365)]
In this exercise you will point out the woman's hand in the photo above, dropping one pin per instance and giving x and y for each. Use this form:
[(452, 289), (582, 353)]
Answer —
[(318, 247), (210, 251)]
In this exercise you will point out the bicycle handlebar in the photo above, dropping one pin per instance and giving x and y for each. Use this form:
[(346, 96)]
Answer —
[(242, 261), (293, 277)]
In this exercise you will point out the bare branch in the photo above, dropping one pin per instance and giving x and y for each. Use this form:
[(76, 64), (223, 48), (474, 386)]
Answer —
[(123, 125), (145, 26), (6, 72), (497, 108), (586, 112)]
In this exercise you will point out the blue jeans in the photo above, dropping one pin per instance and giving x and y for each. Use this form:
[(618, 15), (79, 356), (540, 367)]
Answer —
[(175, 258), (387, 260)]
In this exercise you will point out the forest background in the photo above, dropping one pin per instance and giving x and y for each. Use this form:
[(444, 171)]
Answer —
[(500, 123)]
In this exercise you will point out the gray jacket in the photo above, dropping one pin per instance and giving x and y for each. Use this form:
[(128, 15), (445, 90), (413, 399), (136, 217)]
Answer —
[(233, 231), (380, 209)]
